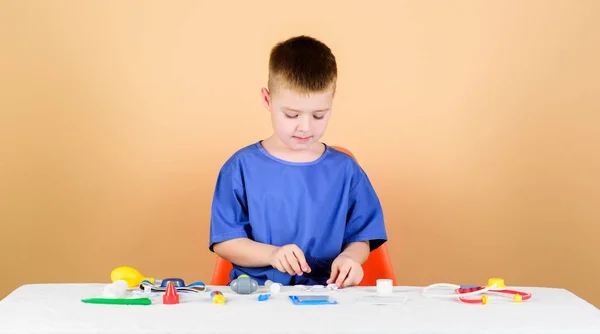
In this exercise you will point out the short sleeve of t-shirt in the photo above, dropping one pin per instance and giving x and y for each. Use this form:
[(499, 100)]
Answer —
[(365, 215), (229, 218)]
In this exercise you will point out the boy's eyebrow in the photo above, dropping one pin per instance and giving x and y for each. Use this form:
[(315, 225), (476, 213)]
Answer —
[(298, 111)]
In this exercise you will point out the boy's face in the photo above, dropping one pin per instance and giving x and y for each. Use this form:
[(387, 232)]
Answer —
[(299, 120)]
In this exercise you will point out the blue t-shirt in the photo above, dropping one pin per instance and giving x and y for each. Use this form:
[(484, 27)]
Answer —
[(321, 206)]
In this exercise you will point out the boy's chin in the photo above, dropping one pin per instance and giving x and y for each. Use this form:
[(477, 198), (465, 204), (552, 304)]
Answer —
[(300, 144)]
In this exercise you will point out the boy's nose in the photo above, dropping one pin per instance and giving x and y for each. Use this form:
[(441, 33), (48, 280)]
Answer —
[(304, 123)]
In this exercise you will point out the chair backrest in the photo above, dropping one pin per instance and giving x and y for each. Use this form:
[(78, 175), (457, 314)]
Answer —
[(377, 266), (221, 272)]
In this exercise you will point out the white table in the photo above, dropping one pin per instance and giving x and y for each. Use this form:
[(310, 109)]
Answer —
[(57, 308)]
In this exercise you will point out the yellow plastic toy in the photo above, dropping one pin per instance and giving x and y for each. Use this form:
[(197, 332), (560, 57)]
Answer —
[(130, 275), (217, 297), (496, 283)]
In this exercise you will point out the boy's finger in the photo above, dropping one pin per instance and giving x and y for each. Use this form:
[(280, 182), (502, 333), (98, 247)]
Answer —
[(342, 276), (334, 273), (287, 267), (293, 261), (349, 280), (302, 260)]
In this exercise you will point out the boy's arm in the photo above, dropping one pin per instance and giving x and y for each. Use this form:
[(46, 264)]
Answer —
[(358, 251), (249, 253), (245, 252), (346, 268)]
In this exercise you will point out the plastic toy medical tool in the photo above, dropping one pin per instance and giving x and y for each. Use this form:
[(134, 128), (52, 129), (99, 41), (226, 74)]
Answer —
[(131, 276), (263, 297), (217, 297), (312, 300), (118, 301), (243, 285), (177, 283), (171, 297), (273, 286), (384, 286), (461, 292)]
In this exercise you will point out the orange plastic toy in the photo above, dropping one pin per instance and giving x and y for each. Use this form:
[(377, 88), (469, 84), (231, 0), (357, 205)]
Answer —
[(378, 265)]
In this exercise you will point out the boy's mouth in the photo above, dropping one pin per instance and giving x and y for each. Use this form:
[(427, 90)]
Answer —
[(302, 139)]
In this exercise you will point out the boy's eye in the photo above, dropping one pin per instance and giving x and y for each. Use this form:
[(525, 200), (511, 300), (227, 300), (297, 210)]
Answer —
[(319, 117), (291, 116)]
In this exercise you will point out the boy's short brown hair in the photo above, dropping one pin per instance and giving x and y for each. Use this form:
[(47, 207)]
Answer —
[(302, 64)]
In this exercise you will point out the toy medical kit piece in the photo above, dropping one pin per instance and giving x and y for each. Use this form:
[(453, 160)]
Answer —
[(131, 276), (217, 297), (116, 289), (384, 286), (118, 301), (272, 286), (309, 288), (171, 296), (313, 300), (243, 285), (146, 293), (263, 297), (177, 282), (461, 292)]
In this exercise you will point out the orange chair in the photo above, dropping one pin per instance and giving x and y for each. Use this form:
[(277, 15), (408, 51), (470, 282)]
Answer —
[(377, 266), (221, 272)]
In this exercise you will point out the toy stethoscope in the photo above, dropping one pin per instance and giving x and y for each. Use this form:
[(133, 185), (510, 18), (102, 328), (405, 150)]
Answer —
[(178, 284), (495, 285)]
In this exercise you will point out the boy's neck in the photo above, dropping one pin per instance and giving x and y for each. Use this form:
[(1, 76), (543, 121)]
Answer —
[(281, 151)]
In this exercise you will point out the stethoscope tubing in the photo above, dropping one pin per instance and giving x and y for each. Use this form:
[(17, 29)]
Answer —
[(455, 287), (462, 296)]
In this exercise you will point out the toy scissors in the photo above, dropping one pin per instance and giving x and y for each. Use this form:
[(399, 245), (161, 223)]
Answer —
[(495, 285), (178, 283)]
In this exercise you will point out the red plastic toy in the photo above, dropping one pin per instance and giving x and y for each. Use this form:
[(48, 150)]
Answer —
[(517, 295), (467, 294), (171, 296)]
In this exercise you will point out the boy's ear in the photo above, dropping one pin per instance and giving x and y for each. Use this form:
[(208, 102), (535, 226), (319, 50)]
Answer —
[(266, 98)]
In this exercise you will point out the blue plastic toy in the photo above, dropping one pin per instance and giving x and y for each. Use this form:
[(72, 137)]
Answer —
[(312, 300), (263, 297)]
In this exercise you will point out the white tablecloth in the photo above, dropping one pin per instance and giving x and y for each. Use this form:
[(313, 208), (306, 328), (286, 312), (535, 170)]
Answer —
[(57, 308)]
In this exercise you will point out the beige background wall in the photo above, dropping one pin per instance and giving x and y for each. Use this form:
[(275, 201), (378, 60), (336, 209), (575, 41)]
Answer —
[(477, 121)]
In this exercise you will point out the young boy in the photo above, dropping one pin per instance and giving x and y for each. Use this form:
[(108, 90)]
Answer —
[(289, 208)]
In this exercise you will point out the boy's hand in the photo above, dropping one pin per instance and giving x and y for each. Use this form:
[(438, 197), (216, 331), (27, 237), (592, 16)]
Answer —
[(345, 271), (289, 259)]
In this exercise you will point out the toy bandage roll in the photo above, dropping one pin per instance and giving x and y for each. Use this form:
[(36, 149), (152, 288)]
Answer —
[(384, 286)]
